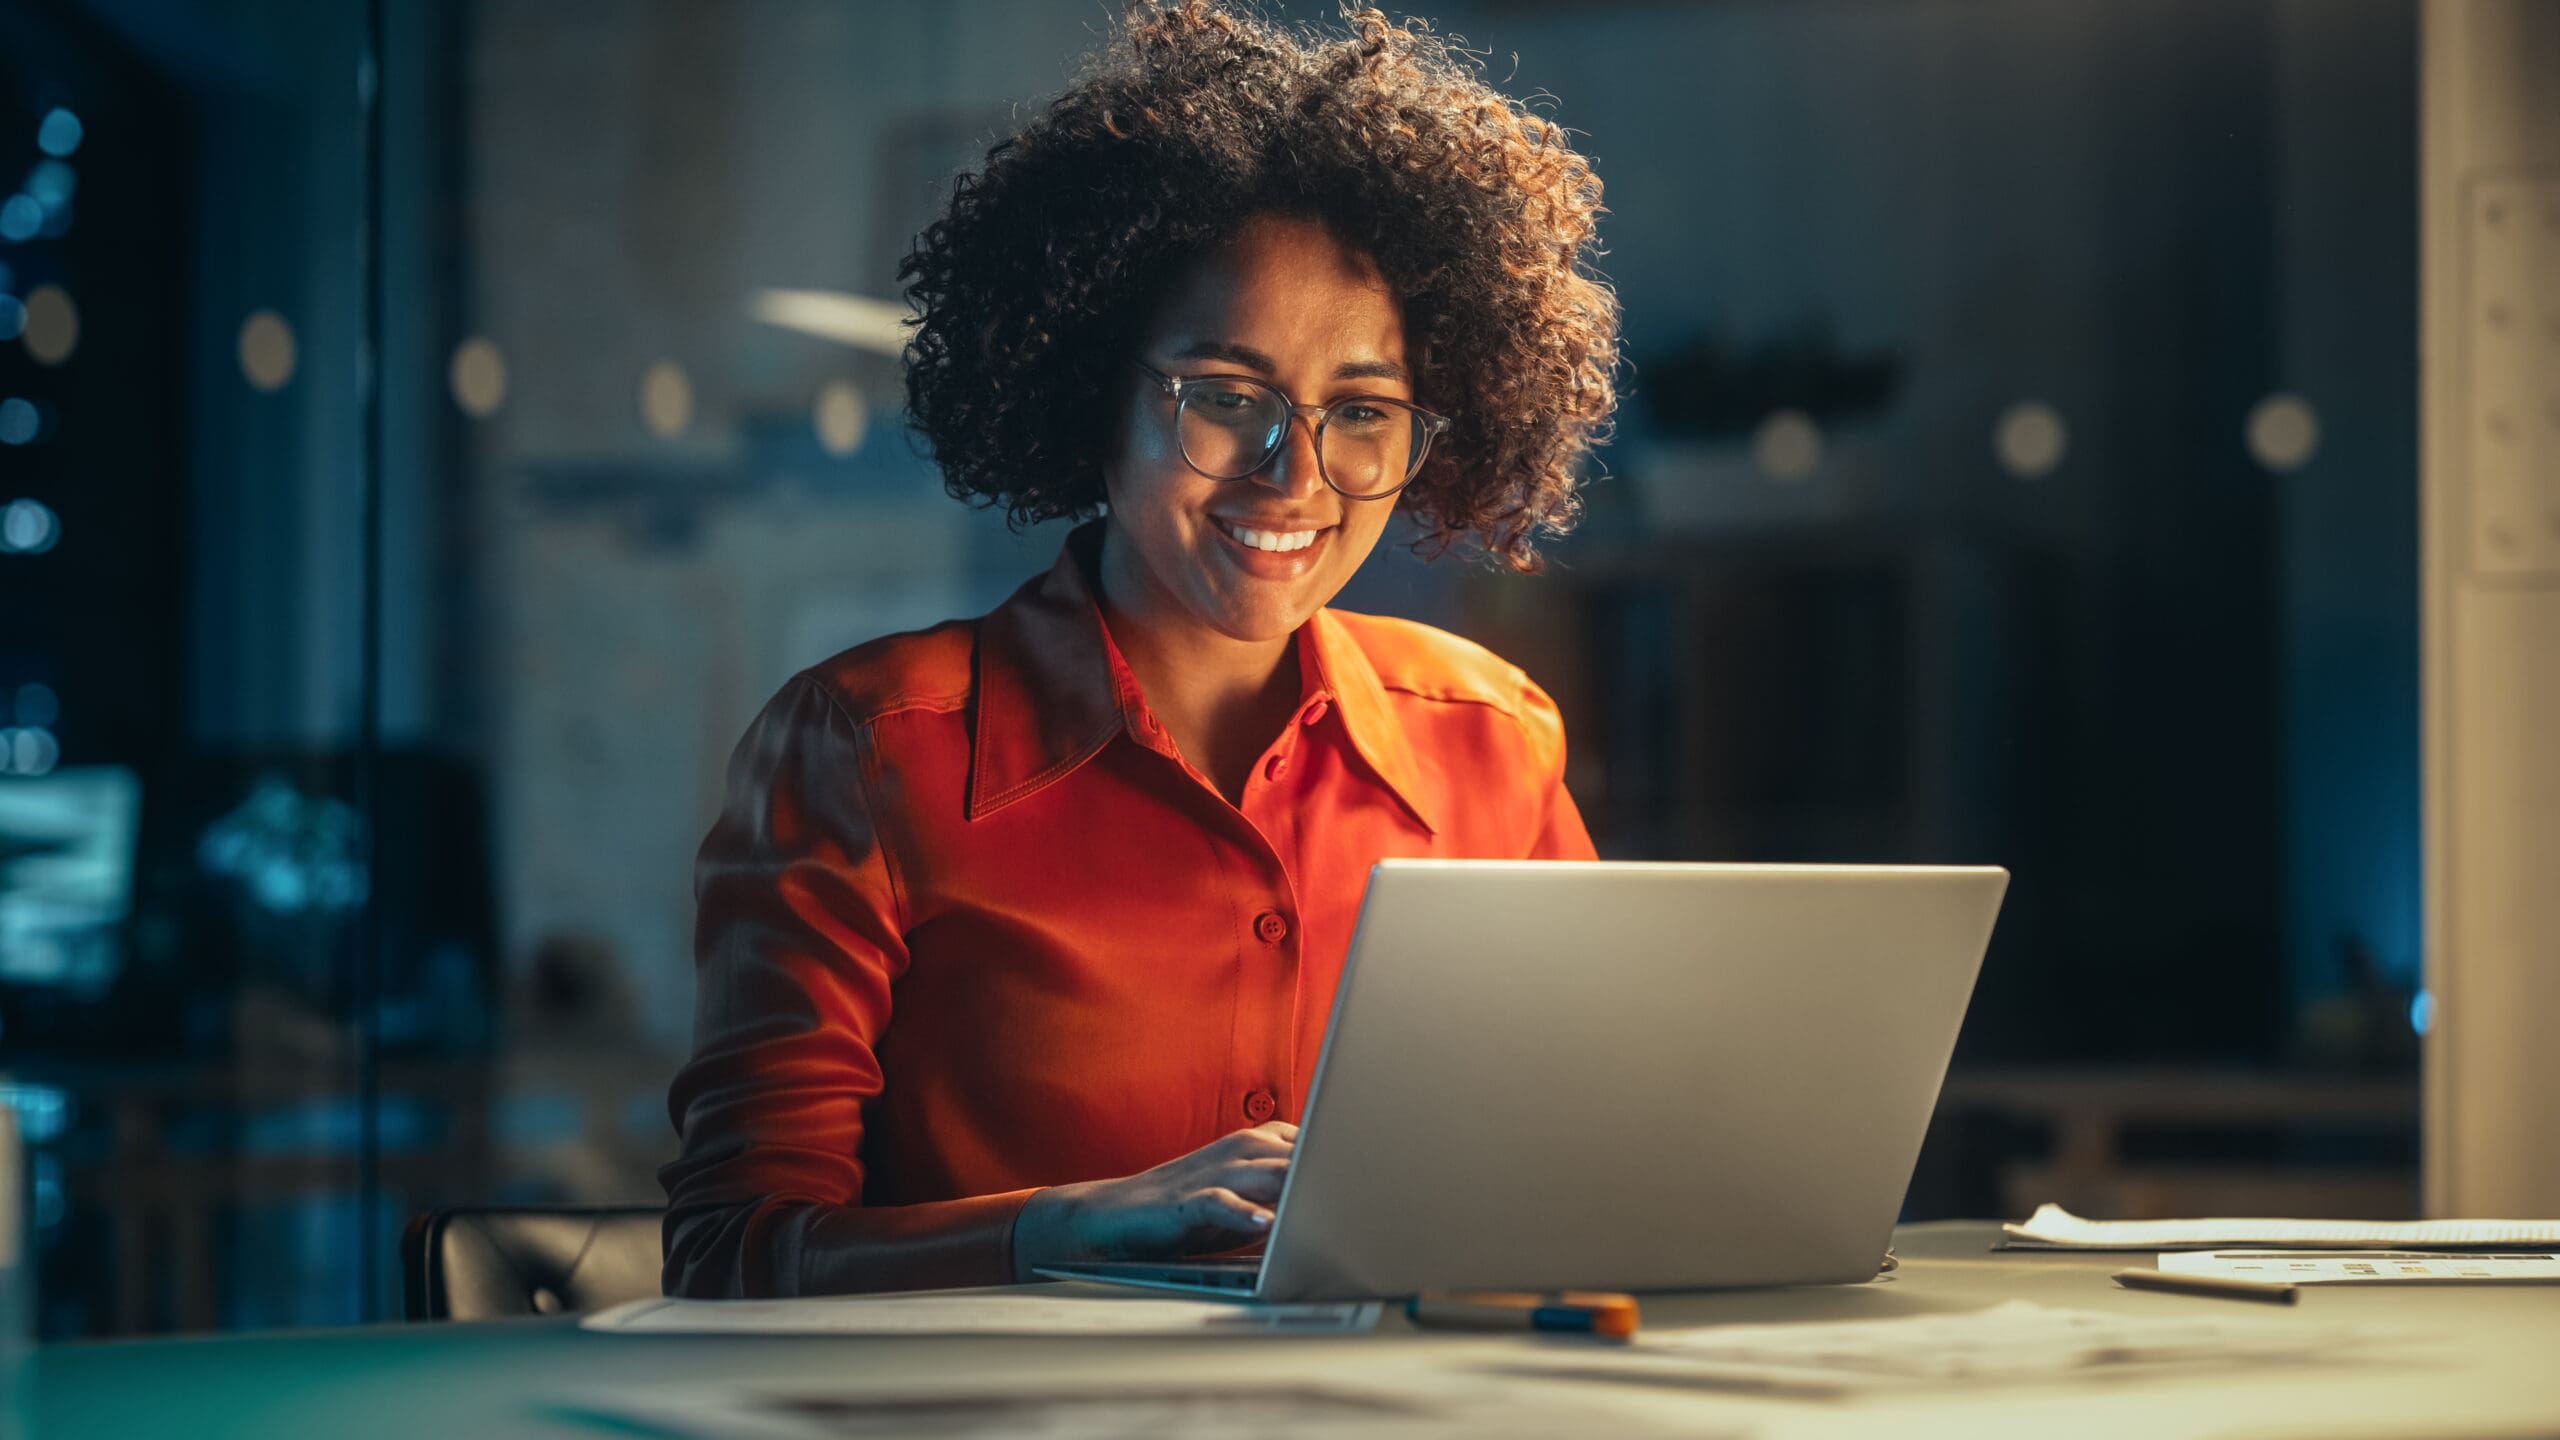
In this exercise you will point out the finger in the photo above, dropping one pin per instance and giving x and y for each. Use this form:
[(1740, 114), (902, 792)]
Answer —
[(1261, 1139), (1242, 1145), (1224, 1209), (1256, 1178)]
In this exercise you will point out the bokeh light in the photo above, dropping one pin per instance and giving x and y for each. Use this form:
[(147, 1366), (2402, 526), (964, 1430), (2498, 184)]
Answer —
[(28, 527), (52, 325), (34, 752), (2284, 432), (21, 216), (2031, 439), (1787, 446), (841, 417), (478, 377), (37, 705), (267, 351), (19, 421), (52, 184), (58, 134), (666, 400)]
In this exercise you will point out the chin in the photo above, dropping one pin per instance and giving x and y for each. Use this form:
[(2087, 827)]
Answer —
[(1259, 623)]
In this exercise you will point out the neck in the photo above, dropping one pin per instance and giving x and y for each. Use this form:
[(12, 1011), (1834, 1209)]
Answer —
[(1200, 682)]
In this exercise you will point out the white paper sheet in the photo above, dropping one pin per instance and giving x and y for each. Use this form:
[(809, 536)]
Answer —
[(973, 1313), (2366, 1267), (2056, 1228), (2014, 1343)]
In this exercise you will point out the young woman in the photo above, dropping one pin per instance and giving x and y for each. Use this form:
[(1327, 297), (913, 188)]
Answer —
[(1018, 935)]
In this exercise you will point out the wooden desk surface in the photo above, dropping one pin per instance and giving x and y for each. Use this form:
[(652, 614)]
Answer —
[(2476, 1363)]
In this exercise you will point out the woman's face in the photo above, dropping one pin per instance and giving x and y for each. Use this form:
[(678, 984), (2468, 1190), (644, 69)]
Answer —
[(1286, 303)]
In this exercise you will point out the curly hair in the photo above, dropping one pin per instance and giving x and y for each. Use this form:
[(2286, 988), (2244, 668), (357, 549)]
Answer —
[(1033, 287)]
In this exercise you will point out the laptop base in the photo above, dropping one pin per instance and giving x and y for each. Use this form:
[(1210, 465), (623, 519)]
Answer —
[(1227, 1279)]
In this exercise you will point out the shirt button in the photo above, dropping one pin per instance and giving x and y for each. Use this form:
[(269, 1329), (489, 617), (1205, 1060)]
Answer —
[(1275, 767), (1272, 926), (1313, 712), (1259, 1106)]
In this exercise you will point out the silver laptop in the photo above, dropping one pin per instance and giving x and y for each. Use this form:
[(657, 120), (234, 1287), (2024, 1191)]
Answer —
[(1550, 1075)]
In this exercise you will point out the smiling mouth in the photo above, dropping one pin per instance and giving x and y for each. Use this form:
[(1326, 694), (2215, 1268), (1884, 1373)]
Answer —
[(1278, 542)]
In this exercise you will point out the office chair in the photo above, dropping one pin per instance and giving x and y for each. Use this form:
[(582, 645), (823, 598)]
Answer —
[(484, 1264)]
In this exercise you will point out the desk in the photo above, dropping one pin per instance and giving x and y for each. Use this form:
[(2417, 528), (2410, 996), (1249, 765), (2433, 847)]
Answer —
[(2488, 1365)]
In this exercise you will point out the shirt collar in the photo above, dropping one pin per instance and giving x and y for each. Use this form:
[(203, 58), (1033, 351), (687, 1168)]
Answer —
[(1333, 661), (1052, 689)]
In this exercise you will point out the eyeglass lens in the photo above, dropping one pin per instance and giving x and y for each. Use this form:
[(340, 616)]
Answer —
[(1229, 428)]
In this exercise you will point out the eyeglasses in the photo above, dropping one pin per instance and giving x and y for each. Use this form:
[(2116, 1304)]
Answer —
[(1368, 447)]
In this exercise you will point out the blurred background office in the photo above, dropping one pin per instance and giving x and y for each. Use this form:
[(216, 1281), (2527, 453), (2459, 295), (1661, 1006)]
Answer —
[(428, 430)]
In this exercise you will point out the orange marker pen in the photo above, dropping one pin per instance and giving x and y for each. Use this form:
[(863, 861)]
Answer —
[(1606, 1314)]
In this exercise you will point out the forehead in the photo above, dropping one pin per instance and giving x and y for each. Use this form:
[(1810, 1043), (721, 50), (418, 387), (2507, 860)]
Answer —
[(1289, 288)]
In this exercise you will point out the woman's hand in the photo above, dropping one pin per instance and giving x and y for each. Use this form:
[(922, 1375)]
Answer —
[(1217, 1197)]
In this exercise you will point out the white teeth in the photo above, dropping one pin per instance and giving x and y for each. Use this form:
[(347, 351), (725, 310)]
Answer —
[(1272, 540)]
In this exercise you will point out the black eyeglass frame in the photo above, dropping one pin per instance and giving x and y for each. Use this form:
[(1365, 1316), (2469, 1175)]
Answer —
[(1432, 424)]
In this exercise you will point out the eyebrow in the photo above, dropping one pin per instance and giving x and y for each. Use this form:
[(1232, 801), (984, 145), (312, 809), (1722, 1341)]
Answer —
[(1255, 360)]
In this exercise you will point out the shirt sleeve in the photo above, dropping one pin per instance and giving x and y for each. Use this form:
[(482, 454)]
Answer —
[(797, 944), (1558, 832)]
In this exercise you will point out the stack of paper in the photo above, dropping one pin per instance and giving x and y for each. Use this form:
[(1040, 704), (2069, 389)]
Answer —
[(2366, 1267), (2054, 1228)]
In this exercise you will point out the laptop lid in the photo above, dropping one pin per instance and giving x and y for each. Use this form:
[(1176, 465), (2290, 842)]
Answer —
[(1559, 1074)]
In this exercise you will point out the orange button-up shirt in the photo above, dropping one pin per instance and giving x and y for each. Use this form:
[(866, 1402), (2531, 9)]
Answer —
[(970, 925)]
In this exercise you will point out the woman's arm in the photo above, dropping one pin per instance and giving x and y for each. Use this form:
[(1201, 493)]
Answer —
[(797, 942)]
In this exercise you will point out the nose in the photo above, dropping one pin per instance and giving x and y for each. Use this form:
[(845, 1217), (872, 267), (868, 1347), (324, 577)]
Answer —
[(1293, 471)]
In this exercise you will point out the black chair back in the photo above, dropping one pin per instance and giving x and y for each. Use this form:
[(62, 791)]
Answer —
[(485, 1264)]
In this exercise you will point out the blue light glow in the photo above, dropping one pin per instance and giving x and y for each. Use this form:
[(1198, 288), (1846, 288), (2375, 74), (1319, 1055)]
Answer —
[(36, 705), (292, 852), (2422, 1011), (28, 528), (19, 421), (33, 752), (59, 133), (52, 184), (13, 317), (20, 218), (43, 1111)]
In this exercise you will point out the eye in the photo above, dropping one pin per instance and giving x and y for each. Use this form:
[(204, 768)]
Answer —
[(1223, 394)]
